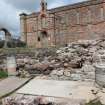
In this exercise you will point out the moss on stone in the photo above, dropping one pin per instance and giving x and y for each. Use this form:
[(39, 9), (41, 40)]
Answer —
[(94, 103)]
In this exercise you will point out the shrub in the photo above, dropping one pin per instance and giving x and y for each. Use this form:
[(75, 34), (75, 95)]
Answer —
[(11, 44), (20, 44), (3, 74), (15, 43)]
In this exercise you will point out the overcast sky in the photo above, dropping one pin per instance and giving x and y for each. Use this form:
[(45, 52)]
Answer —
[(10, 10)]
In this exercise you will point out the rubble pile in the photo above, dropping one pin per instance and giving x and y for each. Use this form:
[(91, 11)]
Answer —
[(73, 62), (77, 60), (21, 100), (36, 64), (39, 100)]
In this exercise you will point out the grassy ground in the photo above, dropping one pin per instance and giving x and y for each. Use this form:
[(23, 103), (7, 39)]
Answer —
[(94, 103), (3, 74), (22, 50)]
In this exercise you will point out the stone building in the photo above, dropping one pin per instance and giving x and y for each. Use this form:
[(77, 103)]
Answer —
[(62, 25)]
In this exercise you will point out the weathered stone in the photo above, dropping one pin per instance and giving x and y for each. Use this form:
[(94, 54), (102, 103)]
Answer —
[(66, 65), (60, 72), (54, 72), (67, 73), (76, 77), (75, 65), (64, 78), (52, 61), (41, 66), (57, 65), (26, 60), (54, 77), (19, 61), (27, 66), (32, 61), (88, 68)]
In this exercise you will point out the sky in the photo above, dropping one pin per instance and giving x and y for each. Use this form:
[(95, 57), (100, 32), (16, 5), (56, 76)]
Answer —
[(10, 10)]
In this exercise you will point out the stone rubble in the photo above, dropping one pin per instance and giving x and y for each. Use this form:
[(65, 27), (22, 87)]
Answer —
[(73, 62), (39, 100)]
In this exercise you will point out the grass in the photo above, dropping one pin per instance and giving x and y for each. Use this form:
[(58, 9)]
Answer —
[(3, 74), (94, 102)]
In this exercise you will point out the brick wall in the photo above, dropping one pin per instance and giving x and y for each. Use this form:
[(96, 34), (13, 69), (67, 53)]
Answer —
[(84, 20)]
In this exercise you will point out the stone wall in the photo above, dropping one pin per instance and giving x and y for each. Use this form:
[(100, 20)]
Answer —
[(66, 24)]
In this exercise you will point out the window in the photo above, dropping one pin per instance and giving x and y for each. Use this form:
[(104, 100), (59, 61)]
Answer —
[(78, 17), (38, 39)]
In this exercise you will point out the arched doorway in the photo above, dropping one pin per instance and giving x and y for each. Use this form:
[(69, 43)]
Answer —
[(44, 39), (44, 34), (6, 34)]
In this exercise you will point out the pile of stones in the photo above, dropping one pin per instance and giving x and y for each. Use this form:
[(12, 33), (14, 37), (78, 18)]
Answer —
[(73, 62), (40, 100), (77, 60), (21, 100), (36, 64)]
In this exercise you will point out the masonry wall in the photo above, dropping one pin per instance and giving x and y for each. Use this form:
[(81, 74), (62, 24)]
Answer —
[(82, 21)]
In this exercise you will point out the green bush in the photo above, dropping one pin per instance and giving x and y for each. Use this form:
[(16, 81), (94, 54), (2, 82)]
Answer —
[(15, 43), (20, 44), (11, 44), (3, 74)]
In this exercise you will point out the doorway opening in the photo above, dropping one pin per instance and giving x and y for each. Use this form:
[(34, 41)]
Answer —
[(44, 34)]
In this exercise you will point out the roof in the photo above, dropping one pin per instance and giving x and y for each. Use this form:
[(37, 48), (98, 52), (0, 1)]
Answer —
[(71, 6), (77, 5)]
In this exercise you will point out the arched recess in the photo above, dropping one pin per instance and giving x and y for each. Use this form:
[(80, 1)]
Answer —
[(7, 35), (44, 34), (2, 35), (44, 39)]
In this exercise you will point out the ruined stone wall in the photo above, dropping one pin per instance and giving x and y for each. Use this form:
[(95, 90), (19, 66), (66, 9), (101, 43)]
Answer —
[(74, 62), (80, 21)]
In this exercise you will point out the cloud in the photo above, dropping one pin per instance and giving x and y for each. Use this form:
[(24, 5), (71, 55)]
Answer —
[(56, 4), (8, 17), (28, 5), (10, 10), (33, 5)]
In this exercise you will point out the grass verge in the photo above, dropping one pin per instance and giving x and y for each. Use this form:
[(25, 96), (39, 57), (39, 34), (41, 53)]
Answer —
[(94, 102), (3, 74)]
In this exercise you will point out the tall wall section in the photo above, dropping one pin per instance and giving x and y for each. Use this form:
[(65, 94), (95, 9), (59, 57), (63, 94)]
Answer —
[(79, 21)]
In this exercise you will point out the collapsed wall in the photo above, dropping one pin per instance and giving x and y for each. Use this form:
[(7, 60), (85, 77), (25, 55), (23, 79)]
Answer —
[(74, 62)]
